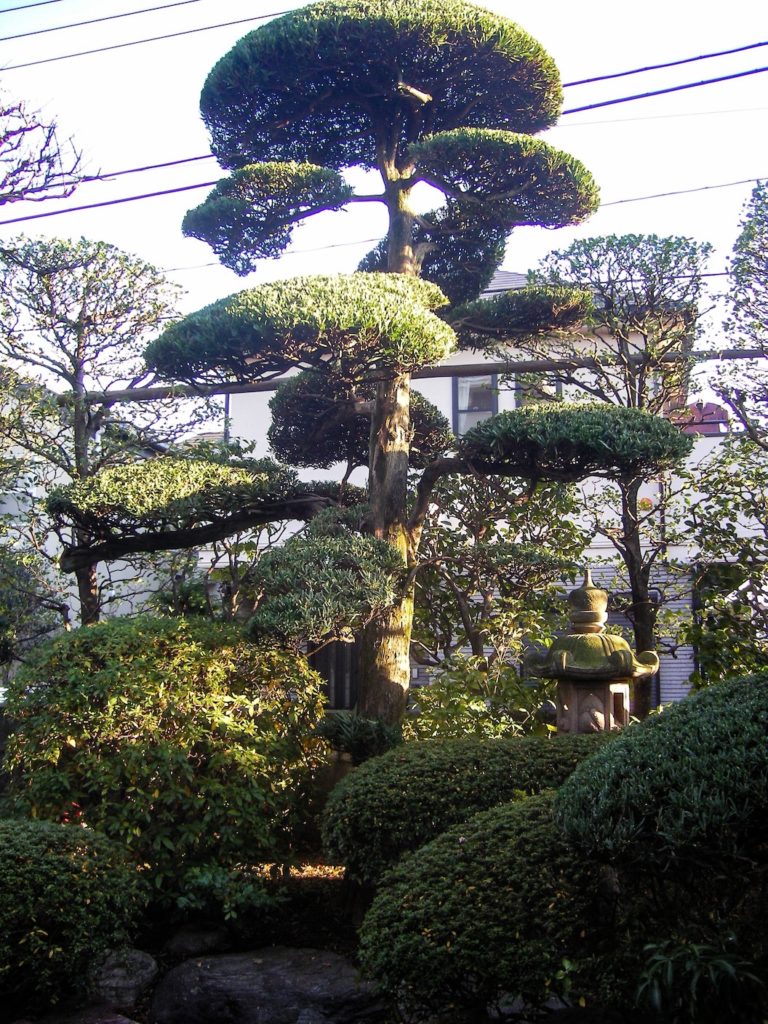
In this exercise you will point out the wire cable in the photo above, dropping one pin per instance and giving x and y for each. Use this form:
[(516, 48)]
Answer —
[(661, 92), (26, 7), (659, 67), (96, 21), (137, 42), (210, 184)]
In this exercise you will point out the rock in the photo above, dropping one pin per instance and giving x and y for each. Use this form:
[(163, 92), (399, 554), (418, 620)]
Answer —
[(122, 979), (92, 1015), (267, 986), (189, 941)]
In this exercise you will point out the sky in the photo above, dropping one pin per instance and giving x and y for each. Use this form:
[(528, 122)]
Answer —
[(137, 105)]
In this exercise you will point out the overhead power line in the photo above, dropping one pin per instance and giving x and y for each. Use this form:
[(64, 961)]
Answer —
[(26, 7), (96, 21), (138, 42), (662, 92), (210, 184), (659, 67)]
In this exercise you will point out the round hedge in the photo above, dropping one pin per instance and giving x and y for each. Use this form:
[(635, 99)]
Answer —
[(489, 909), (178, 738), (395, 803), (688, 784), (66, 896)]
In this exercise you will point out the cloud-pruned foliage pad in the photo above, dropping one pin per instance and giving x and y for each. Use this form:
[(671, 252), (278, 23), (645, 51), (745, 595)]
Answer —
[(251, 215), (359, 323), (570, 442)]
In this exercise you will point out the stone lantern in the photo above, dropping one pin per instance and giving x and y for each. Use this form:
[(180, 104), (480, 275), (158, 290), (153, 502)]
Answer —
[(593, 669)]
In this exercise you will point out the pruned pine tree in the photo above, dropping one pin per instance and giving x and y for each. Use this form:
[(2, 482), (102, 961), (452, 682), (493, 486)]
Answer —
[(419, 92)]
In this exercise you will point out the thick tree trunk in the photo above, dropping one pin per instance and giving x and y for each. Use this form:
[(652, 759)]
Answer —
[(385, 657), (643, 610)]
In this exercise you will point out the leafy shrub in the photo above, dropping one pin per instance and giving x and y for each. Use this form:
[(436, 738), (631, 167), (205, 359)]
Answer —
[(397, 802), (695, 983), (689, 783), (359, 737), (490, 909), (178, 738), (466, 698), (679, 804), (66, 895)]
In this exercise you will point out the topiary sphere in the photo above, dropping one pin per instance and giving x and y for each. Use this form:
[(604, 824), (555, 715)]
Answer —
[(66, 896), (397, 802), (690, 783), (487, 911)]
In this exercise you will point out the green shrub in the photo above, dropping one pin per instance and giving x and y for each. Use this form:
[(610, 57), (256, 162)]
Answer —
[(396, 803), (678, 805), (690, 783), (178, 738), (66, 895), (361, 738), (494, 908)]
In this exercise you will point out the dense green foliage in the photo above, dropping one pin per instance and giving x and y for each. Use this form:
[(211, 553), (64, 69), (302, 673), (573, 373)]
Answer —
[(317, 421), (396, 803), (677, 805), (519, 313), (361, 738), (687, 786), (250, 215), (67, 895), (522, 180), (358, 322), (177, 738), (315, 588), (269, 97), (490, 910), (169, 493), (570, 442), (467, 697)]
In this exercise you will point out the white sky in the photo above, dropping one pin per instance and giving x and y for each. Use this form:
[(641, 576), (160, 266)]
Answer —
[(139, 105)]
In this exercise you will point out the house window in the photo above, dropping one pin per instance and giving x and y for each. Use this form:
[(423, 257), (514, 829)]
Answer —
[(532, 388), (474, 400)]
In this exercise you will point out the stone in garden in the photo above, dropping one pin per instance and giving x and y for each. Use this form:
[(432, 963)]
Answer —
[(267, 986), (189, 941), (123, 978)]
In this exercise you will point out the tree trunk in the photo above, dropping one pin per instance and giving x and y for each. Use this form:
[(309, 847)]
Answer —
[(88, 592), (643, 610), (385, 668)]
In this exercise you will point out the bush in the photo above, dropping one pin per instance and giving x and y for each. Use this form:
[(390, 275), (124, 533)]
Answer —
[(178, 738), (361, 738), (689, 783), (397, 802), (679, 805), (496, 907), (66, 896)]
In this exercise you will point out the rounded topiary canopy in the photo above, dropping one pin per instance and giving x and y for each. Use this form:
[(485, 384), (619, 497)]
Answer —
[(354, 324), (570, 442), (373, 63), (688, 786), (316, 422)]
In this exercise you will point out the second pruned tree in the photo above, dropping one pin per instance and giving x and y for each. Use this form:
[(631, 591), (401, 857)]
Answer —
[(419, 93)]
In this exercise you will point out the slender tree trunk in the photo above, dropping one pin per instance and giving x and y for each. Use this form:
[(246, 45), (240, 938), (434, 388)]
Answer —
[(643, 609), (385, 668), (88, 592)]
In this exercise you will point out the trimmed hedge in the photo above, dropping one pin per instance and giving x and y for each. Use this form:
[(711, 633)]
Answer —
[(488, 910), (690, 783), (176, 737), (66, 896), (395, 803)]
